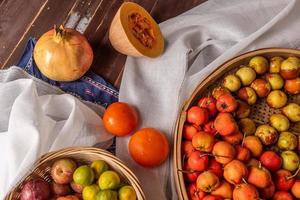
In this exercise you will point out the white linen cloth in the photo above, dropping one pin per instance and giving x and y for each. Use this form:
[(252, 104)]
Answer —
[(197, 42), (36, 118)]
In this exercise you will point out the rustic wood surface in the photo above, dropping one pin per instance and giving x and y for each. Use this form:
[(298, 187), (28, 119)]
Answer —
[(21, 19)]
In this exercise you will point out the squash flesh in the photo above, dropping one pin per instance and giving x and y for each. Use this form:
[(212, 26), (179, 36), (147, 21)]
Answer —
[(134, 32)]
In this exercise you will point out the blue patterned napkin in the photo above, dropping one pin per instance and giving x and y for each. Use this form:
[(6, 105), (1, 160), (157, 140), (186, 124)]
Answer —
[(91, 87)]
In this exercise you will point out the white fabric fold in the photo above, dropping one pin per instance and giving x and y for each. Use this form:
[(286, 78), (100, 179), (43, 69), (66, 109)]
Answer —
[(36, 118), (197, 42)]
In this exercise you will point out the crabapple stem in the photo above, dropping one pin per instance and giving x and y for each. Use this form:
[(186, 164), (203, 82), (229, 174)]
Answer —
[(294, 175), (244, 180), (209, 154)]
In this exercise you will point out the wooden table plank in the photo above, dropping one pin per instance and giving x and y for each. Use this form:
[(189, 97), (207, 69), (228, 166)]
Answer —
[(22, 19)]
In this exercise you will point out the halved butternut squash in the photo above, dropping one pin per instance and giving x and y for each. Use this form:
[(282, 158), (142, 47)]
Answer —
[(134, 32)]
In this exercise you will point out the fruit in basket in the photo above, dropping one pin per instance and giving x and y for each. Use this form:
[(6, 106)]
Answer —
[(275, 64), (223, 152), (267, 134), (247, 126), (84, 175), (253, 162), (234, 138), (254, 145), (287, 141), (190, 176), (290, 160), (243, 110), (279, 122), (60, 189), (149, 147), (106, 195), (259, 64), (187, 148), (259, 176), (195, 193), (292, 111), (62, 170), (283, 180), (235, 171), (246, 75), (275, 80), (282, 195), (261, 87), (189, 131), (207, 181), (224, 190), (141, 36), (76, 187), (127, 193), (215, 167), (198, 161), (225, 118), (99, 166), (89, 192), (296, 189), (270, 160), (69, 197), (268, 191), (226, 103), (36, 189), (292, 86), (245, 191), (276, 99), (232, 82), (210, 104), (109, 180), (203, 141), (218, 91), (120, 119), (209, 127), (63, 54), (242, 153), (197, 115), (248, 95), (290, 68)]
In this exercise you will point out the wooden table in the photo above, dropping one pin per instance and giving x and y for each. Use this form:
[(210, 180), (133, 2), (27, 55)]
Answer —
[(21, 19)]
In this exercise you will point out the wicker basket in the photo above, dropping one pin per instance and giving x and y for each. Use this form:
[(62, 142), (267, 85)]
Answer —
[(260, 112), (82, 155)]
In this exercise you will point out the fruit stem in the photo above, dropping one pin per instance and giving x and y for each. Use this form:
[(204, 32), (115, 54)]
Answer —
[(294, 175), (244, 180), (209, 154), (59, 33)]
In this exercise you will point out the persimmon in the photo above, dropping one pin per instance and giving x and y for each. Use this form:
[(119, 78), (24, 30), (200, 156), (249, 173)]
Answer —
[(149, 147), (120, 119)]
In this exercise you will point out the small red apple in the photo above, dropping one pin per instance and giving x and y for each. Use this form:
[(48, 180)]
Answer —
[(203, 141), (296, 189), (189, 130), (197, 115), (190, 176), (226, 103), (187, 148), (195, 193), (62, 170), (282, 180), (270, 160), (210, 104), (209, 127), (290, 68), (215, 167), (248, 95), (261, 87), (197, 161), (282, 195), (243, 110), (292, 86)]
